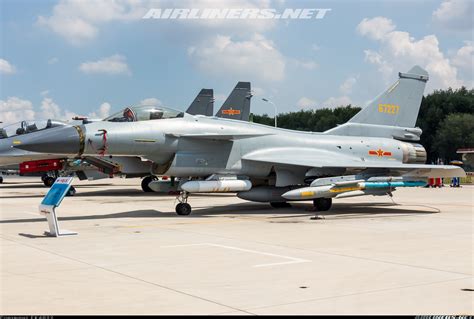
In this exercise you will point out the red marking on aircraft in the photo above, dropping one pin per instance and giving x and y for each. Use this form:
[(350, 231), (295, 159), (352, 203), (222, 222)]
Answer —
[(380, 153), (231, 111)]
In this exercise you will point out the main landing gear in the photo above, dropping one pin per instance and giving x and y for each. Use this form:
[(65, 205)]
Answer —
[(322, 204), (147, 180), (183, 208)]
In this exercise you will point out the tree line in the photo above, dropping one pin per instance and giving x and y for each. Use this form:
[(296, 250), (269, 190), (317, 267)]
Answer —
[(446, 118)]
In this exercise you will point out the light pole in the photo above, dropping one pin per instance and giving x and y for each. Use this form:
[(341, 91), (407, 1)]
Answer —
[(267, 100)]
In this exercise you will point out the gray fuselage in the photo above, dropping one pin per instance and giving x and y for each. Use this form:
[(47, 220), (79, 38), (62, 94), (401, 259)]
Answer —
[(199, 146)]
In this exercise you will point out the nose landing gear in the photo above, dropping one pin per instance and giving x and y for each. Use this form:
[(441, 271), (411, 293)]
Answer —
[(183, 208), (48, 181)]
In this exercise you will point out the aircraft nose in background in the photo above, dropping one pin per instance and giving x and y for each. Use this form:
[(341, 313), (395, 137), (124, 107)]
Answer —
[(61, 140)]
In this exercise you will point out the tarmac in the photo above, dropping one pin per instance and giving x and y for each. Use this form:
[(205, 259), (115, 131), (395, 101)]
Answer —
[(410, 254)]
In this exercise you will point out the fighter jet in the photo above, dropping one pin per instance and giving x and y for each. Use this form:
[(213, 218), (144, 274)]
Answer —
[(49, 166), (372, 154)]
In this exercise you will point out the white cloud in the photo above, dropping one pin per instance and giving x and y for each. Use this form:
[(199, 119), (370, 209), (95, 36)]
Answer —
[(399, 52), (256, 58), (77, 21), (14, 109), (115, 64), (464, 57), (464, 61), (306, 102), (44, 93), (346, 87), (334, 102), (383, 66), (6, 67), (375, 28), (455, 14), (75, 30), (102, 112), (151, 101), (49, 109)]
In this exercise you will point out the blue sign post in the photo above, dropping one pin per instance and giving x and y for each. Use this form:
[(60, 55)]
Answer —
[(52, 200)]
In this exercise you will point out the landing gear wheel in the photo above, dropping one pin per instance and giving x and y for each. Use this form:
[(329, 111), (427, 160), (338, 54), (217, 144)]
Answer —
[(183, 209), (71, 191), (1, 179), (322, 204), (49, 181), (280, 204), (147, 180)]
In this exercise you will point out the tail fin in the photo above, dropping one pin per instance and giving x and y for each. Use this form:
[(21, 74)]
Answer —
[(203, 104), (399, 105), (237, 105)]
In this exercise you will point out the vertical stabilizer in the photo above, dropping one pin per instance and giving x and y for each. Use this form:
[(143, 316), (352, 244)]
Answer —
[(399, 104), (237, 105), (203, 104)]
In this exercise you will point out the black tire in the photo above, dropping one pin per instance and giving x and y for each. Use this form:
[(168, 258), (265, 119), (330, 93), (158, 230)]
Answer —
[(147, 180), (49, 181), (280, 204), (1, 179), (322, 204), (183, 209), (71, 191), (43, 177)]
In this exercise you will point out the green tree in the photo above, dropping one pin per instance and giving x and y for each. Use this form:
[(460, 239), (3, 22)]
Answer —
[(310, 120), (435, 107), (456, 131)]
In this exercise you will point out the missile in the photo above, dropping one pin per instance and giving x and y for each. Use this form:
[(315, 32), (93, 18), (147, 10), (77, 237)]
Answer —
[(219, 186), (310, 193), (334, 190)]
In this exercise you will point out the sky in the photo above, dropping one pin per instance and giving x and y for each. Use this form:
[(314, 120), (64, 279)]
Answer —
[(92, 58)]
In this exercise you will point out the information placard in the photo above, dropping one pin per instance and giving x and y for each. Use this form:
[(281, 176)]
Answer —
[(52, 200), (57, 191)]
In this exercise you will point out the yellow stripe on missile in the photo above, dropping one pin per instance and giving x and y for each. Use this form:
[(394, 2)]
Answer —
[(16, 142), (344, 189), (307, 193)]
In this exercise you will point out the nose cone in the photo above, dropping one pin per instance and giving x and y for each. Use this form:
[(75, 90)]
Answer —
[(62, 140)]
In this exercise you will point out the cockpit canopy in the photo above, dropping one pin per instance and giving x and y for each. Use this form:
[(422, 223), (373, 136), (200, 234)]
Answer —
[(25, 127), (144, 113)]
